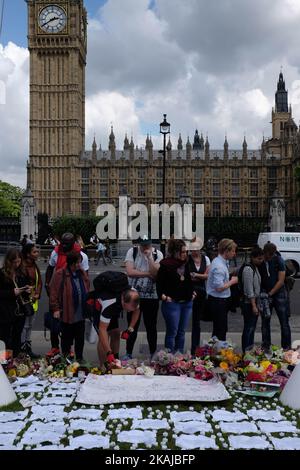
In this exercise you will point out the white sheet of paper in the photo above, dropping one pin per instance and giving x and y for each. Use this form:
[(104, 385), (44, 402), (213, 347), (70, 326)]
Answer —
[(125, 413), (12, 427), (6, 416), (281, 426), (86, 414), (187, 442), (88, 426), (230, 416), (265, 415), (138, 437), (238, 428), (89, 441), (192, 427), (176, 416), (150, 424), (248, 442), (287, 443), (107, 389)]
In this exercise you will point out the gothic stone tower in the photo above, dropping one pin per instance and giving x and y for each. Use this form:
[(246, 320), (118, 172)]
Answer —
[(57, 45)]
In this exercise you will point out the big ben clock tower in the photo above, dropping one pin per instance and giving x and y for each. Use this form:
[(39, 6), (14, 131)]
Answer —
[(57, 46)]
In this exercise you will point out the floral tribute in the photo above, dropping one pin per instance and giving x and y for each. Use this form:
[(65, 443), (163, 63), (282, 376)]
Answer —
[(214, 359)]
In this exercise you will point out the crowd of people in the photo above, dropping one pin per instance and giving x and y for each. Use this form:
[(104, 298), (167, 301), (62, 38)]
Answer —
[(189, 284)]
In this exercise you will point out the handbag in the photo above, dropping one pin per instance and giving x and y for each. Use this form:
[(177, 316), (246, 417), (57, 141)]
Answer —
[(27, 309)]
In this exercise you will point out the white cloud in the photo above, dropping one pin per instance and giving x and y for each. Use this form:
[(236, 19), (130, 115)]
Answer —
[(112, 108), (14, 123)]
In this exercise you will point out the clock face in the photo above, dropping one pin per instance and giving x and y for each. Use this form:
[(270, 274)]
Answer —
[(52, 19)]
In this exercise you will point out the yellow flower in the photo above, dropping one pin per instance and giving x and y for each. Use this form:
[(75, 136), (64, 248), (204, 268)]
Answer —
[(12, 373), (224, 365), (265, 364)]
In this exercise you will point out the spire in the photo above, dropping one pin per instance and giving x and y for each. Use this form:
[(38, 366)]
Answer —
[(188, 149), (126, 143), (147, 143), (245, 147), (169, 145), (202, 142), (131, 149), (206, 147), (225, 147), (179, 145), (94, 149), (281, 96), (112, 142), (197, 144)]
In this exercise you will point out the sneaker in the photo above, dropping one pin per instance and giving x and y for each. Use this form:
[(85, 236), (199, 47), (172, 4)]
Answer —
[(127, 357), (53, 352)]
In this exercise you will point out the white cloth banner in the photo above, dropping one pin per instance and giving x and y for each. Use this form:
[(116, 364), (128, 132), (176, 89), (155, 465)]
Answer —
[(107, 389)]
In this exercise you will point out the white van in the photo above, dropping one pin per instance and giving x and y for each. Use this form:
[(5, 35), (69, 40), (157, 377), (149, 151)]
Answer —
[(288, 244)]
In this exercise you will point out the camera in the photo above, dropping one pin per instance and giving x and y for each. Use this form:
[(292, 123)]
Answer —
[(264, 305)]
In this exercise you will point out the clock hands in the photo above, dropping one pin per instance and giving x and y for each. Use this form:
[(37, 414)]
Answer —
[(49, 21)]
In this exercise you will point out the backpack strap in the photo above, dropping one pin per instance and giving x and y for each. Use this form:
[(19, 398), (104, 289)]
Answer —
[(135, 252)]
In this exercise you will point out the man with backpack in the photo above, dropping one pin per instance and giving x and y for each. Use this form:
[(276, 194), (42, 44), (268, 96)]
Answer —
[(58, 260), (142, 264), (111, 296), (273, 275), (249, 283)]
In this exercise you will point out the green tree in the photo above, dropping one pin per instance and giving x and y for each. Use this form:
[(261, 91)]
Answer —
[(10, 200), (83, 226)]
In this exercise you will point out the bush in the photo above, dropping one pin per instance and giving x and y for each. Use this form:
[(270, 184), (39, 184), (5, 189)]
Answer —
[(84, 226)]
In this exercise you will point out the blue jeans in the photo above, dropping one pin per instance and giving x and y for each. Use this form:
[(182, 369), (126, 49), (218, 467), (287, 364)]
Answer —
[(280, 303), (250, 320), (177, 316)]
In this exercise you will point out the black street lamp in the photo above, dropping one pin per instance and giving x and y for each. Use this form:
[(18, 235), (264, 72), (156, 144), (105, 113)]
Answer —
[(164, 130)]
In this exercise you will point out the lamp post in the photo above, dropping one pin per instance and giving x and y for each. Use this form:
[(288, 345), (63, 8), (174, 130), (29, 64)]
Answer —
[(164, 130)]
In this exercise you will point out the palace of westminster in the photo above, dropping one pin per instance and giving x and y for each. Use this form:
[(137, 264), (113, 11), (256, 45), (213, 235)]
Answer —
[(64, 178)]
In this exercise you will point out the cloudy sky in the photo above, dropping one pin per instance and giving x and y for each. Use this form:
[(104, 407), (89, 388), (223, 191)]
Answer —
[(211, 65)]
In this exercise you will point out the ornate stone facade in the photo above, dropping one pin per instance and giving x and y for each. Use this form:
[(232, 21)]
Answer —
[(66, 179)]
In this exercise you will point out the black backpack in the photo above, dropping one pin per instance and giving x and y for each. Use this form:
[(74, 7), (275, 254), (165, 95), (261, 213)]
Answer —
[(240, 276), (237, 290), (112, 281)]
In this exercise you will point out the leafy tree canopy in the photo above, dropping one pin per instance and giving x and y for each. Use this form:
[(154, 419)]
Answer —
[(10, 200)]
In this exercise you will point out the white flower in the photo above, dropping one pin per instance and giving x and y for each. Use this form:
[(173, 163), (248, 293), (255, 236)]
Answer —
[(164, 447), (165, 434), (149, 408), (217, 426), (168, 407), (117, 448), (149, 446), (281, 434), (191, 408), (111, 406), (225, 444), (219, 434), (222, 439)]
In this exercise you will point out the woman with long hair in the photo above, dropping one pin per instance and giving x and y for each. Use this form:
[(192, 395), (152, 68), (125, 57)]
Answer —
[(13, 285), (68, 290), (30, 255), (175, 289), (199, 266)]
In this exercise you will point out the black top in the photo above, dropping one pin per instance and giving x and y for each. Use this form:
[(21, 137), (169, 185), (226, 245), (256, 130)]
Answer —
[(8, 300), (170, 283), (199, 284)]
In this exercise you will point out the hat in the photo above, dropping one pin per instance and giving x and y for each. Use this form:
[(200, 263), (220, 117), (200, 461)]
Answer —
[(145, 241), (195, 245)]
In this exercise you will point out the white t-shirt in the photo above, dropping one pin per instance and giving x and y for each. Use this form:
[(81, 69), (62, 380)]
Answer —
[(84, 263), (144, 285)]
